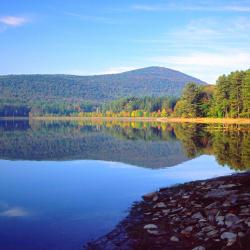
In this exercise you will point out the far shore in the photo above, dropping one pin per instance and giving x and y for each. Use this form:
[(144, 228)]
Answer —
[(207, 120)]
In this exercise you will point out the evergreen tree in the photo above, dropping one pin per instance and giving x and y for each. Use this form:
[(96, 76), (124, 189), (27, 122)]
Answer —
[(188, 106), (221, 99), (246, 94), (236, 104)]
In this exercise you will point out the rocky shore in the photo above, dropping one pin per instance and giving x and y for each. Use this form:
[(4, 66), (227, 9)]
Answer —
[(211, 214)]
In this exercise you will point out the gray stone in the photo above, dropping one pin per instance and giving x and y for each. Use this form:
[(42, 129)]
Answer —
[(166, 211), (160, 205), (188, 229), (155, 198), (212, 233), (153, 231), (247, 222), (149, 196), (228, 185), (212, 205), (241, 234), (217, 193), (176, 210), (174, 238), (228, 236), (220, 220), (199, 248), (231, 219), (150, 226), (197, 215), (208, 228)]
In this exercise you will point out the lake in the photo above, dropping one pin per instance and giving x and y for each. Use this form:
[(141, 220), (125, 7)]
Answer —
[(63, 184)]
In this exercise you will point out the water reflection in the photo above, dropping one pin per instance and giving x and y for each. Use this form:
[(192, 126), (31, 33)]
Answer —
[(153, 145), (51, 203)]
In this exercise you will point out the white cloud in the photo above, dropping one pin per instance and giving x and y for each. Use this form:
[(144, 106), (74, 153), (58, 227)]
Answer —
[(13, 20), (115, 70), (109, 70), (204, 48), (207, 66)]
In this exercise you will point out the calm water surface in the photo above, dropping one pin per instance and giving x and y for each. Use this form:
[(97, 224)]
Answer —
[(64, 183)]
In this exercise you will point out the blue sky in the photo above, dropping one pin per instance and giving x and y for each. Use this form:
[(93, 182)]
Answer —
[(201, 38)]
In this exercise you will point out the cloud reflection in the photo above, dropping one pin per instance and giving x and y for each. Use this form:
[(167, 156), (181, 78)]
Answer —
[(8, 211)]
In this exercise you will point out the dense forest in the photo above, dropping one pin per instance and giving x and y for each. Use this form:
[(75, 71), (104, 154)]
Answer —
[(68, 94), (229, 97)]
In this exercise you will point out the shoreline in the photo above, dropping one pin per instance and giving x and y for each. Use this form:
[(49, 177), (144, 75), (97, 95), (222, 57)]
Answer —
[(204, 120), (208, 214)]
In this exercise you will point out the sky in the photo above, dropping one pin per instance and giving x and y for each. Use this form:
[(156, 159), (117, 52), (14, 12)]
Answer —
[(202, 38)]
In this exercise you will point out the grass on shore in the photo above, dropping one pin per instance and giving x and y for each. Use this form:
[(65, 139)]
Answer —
[(139, 119)]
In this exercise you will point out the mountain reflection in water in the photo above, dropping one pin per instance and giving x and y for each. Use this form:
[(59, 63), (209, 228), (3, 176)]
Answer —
[(151, 145)]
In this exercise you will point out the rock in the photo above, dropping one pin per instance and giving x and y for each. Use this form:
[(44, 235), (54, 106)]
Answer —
[(149, 196), (208, 228), (231, 242), (247, 222), (228, 186), (212, 233), (197, 205), (187, 230), (231, 219), (155, 198), (150, 226), (226, 204), (228, 236), (160, 205), (199, 248), (212, 205), (220, 220), (166, 211), (241, 234), (233, 199), (153, 231), (197, 215), (174, 238), (176, 210), (211, 218), (219, 193)]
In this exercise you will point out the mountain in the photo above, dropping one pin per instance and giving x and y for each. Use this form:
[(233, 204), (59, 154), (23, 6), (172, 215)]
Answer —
[(33, 90), (21, 140)]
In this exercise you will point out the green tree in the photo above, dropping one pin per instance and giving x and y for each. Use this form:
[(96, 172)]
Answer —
[(188, 106), (236, 104), (246, 94)]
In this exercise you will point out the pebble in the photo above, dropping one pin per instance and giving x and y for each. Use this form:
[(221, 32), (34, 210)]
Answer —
[(174, 238), (150, 226), (199, 248), (231, 219), (188, 229), (160, 205), (228, 236), (197, 215), (149, 196)]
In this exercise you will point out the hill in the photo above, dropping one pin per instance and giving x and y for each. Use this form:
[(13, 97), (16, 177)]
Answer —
[(64, 90)]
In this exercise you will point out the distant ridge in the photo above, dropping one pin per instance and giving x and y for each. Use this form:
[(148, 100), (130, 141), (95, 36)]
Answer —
[(150, 81)]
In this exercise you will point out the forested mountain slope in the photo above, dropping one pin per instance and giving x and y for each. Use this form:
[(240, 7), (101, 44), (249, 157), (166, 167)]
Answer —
[(36, 89)]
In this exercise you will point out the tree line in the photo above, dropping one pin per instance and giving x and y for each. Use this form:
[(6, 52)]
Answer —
[(229, 98)]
